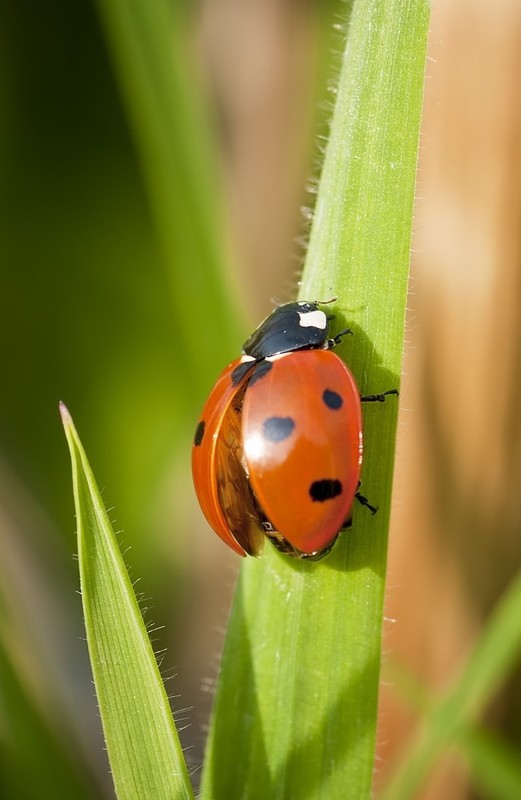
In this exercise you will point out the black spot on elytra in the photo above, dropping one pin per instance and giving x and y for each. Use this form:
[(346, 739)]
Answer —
[(326, 489), (332, 399), (262, 369), (199, 433), (240, 371), (276, 429)]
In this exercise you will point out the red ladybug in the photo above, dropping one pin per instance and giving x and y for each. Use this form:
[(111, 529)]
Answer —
[(278, 448)]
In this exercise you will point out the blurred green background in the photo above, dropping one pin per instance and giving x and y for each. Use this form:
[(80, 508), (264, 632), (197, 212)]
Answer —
[(90, 315), (86, 318), (85, 306)]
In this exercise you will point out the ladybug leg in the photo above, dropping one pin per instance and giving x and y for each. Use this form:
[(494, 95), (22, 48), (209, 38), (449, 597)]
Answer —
[(378, 398), (338, 338), (365, 502)]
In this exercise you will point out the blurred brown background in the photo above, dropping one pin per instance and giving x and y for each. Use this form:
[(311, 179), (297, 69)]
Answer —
[(456, 528)]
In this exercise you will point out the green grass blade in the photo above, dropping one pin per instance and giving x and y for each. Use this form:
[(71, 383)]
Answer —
[(34, 763), (162, 97), (494, 764), (143, 747), (494, 656), (295, 713)]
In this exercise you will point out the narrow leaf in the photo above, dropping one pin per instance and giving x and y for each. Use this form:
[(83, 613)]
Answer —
[(493, 762), (142, 742), (34, 763), (495, 765), (494, 656), (295, 713)]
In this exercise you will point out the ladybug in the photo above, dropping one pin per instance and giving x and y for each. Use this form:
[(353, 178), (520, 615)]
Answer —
[(278, 448)]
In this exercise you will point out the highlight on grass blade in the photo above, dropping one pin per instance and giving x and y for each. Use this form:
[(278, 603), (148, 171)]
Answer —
[(142, 742)]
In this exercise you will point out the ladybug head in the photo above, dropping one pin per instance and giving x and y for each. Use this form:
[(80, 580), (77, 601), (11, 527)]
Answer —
[(293, 326)]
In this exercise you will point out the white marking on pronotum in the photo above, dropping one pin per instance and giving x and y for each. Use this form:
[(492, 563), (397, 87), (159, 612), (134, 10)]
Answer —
[(313, 319)]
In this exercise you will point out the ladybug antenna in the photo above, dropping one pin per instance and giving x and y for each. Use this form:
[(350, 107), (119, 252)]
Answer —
[(327, 302)]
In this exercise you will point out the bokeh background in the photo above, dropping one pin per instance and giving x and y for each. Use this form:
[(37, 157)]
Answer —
[(87, 317)]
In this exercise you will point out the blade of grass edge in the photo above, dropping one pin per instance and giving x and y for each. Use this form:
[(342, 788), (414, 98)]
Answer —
[(495, 765), (493, 762), (35, 761), (143, 746), (295, 712), (494, 655)]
